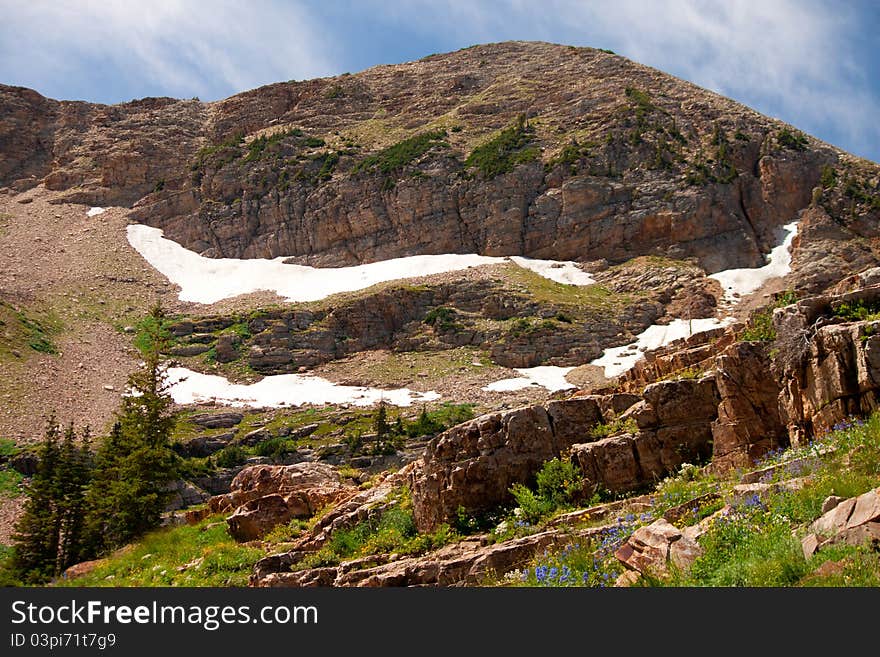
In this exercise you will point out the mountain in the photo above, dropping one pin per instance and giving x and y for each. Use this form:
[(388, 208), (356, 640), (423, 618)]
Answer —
[(664, 198)]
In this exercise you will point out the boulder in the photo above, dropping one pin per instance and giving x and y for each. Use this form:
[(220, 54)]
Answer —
[(852, 521), (252, 520), (225, 420), (309, 486)]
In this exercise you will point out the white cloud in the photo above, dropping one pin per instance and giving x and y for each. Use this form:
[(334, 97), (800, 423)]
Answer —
[(185, 47)]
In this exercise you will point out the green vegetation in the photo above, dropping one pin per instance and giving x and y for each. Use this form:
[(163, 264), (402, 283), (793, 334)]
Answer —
[(394, 158), (573, 300), (191, 555), (617, 425), (570, 156), (10, 480), (861, 192), (754, 542), (259, 147), (441, 418), (519, 327), (506, 150), (829, 177), (391, 531), (80, 505), (641, 100), (219, 154), (558, 485), (135, 464), (22, 331), (760, 325), (792, 139), (50, 534), (442, 319), (857, 311)]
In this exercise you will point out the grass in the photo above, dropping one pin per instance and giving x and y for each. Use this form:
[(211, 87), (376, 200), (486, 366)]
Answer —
[(501, 153), (603, 430), (760, 325), (10, 481), (24, 332), (190, 555), (393, 159), (856, 311), (574, 297), (392, 531)]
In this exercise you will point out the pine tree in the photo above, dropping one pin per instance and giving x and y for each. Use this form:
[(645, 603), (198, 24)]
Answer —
[(35, 541), (48, 536), (135, 464)]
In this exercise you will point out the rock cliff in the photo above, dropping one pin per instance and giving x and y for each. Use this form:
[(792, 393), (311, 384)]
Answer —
[(504, 149)]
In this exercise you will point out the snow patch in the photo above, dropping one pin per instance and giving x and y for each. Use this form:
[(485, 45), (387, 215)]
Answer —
[(94, 211), (207, 280), (188, 387), (547, 376), (618, 360), (740, 282), (561, 272)]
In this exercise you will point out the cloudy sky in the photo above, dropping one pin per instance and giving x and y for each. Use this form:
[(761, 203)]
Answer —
[(813, 63)]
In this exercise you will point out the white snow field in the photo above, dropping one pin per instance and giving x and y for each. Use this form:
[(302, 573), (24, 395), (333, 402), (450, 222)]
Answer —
[(556, 270), (547, 376), (740, 282), (207, 280), (618, 360), (188, 387), (94, 211)]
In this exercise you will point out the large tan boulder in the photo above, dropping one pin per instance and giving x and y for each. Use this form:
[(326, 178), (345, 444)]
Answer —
[(853, 521), (264, 496), (310, 484)]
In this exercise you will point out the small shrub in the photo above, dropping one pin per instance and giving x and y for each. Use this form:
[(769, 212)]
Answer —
[(231, 456), (792, 139), (442, 318), (505, 151), (856, 311), (617, 425), (392, 159)]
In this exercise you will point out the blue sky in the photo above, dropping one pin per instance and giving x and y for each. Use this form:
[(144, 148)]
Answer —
[(813, 63)]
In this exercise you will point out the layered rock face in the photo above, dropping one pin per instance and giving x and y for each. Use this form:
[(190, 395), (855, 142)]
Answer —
[(830, 363), (610, 159), (472, 466)]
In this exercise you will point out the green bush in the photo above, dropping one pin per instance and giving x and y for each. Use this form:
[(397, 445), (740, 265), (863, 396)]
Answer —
[(856, 311), (792, 139), (506, 150), (394, 158), (231, 456), (559, 483)]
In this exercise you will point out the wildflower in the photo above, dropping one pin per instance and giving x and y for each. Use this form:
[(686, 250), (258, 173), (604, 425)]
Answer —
[(554, 573)]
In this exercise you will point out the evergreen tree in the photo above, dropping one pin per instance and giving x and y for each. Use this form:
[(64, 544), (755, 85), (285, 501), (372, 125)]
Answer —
[(135, 464), (35, 541), (73, 479), (48, 535)]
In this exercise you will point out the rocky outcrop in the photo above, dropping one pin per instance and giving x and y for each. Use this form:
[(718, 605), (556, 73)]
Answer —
[(465, 563), (670, 426), (748, 424), (639, 163), (652, 549), (264, 496), (474, 464), (830, 364), (853, 521)]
